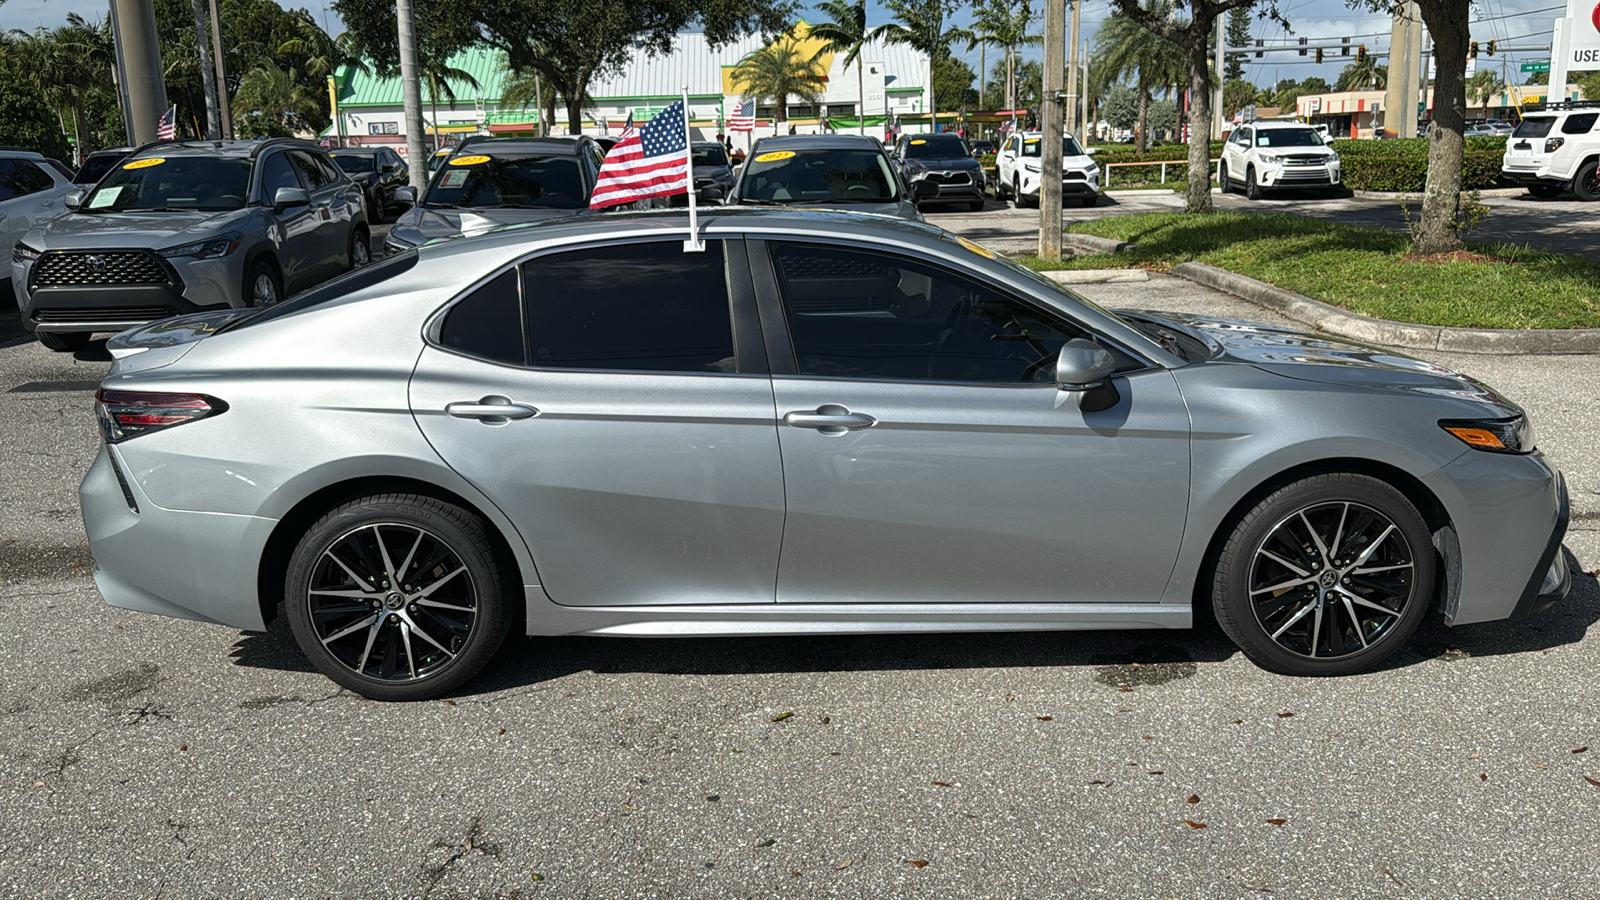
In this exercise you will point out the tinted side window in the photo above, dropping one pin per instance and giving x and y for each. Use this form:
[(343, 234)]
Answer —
[(313, 176), (633, 306), (488, 322), (277, 173), (867, 314), (330, 172), (1579, 123), (20, 177)]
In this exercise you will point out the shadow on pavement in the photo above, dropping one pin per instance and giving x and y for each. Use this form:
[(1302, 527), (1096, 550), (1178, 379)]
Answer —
[(1120, 658)]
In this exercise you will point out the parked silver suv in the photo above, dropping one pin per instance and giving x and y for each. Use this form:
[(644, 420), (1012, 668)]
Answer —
[(30, 192), (186, 227)]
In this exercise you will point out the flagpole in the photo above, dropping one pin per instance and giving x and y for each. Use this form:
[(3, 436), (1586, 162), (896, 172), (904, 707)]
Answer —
[(693, 244)]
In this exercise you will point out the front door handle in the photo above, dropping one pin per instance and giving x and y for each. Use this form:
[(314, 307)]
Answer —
[(830, 419), (491, 410)]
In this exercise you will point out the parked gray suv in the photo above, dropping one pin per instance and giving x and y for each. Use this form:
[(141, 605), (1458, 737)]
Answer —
[(186, 227)]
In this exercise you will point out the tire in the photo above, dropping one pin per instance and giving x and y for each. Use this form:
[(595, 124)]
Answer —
[(1001, 192), (70, 342), (360, 243), (1222, 178), (1586, 184), (262, 286), (376, 207), (1090, 201), (1251, 189), (1018, 199), (1355, 606), (1545, 191), (408, 638)]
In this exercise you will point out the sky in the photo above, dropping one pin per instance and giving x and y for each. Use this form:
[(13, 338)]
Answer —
[(1519, 22)]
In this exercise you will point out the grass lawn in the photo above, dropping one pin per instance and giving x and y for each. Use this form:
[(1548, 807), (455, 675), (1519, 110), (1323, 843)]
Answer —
[(1364, 270)]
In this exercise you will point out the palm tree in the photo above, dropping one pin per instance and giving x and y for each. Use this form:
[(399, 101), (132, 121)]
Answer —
[(846, 32), (520, 89), (66, 66), (272, 101), (920, 25), (1361, 76), (1483, 85), (438, 73), (780, 71), (1124, 48), (999, 24)]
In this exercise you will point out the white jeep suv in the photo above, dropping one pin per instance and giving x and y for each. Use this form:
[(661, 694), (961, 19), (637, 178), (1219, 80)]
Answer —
[(1017, 170), (1263, 156), (1556, 148), (31, 191)]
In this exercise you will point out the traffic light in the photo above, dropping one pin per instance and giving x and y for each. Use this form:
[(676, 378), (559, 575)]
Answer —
[(1491, 48), (1259, 43), (1319, 56), (1472, 50), (1302, 46), (1361, 53)]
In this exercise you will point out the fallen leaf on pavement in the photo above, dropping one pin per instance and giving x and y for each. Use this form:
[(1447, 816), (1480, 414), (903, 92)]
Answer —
[(919, 863), (767, 843), (1156, 772), (1045, 718), (1193, 824), (1591, 781), (1146, 737), (845, 864), (781, 716), (1286, 715), (942, 784), (502, 731), (1473, 755), (1276, 821), (1193, 798), (1581, 750), (825, 720), (1097, 781), (1483, 776)]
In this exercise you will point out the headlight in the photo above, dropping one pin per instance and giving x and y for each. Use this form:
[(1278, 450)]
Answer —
[(1333, 159), (207, 249), (21, 252), (1513, 435), (1271, 158), (1032, 165)]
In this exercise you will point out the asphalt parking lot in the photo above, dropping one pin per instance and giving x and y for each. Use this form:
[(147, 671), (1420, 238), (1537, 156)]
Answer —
[(147, 757)]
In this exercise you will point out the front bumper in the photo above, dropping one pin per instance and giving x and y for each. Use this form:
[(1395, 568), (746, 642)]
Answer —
[(1088, 185), (1291, 177), (190, 565), (1551, 581), (193, 285), (952, 189)]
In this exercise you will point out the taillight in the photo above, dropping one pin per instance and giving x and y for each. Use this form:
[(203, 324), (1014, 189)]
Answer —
[(128, 414), (1553, 144)]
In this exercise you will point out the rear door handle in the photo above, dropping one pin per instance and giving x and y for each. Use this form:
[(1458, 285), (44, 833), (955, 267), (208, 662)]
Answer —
[(830, 419), (491, 410)]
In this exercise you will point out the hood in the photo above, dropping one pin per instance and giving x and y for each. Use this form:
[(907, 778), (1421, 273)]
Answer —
[(943, 162), (93, 231), (419, 224), (1328, 360)]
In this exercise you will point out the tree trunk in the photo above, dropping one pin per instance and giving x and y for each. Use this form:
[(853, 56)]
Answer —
[(207, 74), (80, 127), (575, 112), (983, 76), (1447, 22), (933, 106), (1141, 137), (1197, 193)]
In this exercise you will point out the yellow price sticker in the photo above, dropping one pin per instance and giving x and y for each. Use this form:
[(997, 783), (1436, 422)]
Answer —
[(1031, 141), (775, 155), (919, 141), (469, 160), (975, 247), (145, 163)]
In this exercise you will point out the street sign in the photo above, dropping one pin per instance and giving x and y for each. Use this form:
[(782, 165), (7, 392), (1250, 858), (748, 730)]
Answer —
[(1536, 66)]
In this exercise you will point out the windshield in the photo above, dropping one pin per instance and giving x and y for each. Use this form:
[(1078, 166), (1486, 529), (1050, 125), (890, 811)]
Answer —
[(206, 183), (936, 146), (353, 164), (95, 168), (1287, 137), (533, 182), (709, 156), (818, 176), (1534, 127), (1035, 146)]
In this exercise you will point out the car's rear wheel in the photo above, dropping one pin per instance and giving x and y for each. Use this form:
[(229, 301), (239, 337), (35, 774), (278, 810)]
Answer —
[(399, 596), (1328, 575), (261, 284), (64, 343), (360, 247), (1545, 191), (1587, 182), (1222, 178)]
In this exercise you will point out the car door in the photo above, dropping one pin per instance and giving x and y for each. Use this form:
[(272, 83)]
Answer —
[(928, 455), (294, 228), (1233, 153), (28, 193), (330, 248), (627, 430)]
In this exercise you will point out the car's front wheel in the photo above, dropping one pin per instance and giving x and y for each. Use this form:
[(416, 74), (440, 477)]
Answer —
[(1222, 178), (399, 596), (261, 285), (360, 247), (1252, 190), (1328, 575)]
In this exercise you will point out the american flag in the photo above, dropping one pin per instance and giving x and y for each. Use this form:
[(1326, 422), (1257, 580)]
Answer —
[(743, 117), (652, 162), (167, 128)]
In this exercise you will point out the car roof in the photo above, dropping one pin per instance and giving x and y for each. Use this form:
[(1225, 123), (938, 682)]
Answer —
[(541, 146), (20, 151), (820, 142), (1275, 125), (230, 149), (355, 151)]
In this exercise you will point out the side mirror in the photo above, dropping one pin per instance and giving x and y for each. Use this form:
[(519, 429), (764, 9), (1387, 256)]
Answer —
[(1083, 365), (711, 194), (924, 190), (391, 167), (1091, 151), (288, 196), (406, 195), (73, 199)]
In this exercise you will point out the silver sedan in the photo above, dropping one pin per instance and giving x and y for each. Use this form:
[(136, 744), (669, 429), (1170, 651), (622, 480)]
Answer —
[(819, 423)]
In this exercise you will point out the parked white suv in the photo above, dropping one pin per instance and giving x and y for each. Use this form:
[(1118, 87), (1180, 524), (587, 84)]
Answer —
[(31, 191), (1556, 148), (1263, 156), (1017, 170)]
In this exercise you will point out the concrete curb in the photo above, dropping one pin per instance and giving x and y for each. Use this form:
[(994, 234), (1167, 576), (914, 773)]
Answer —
[(1413, 195), (1097, 276), (1346, 324), (1094, 244)]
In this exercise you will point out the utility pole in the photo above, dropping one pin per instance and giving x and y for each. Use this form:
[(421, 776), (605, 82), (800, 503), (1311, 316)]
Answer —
[(411, 94), (222, 73), (208, 80), (140, 52), (1217, 90), (1083, 120), (1399, 118), (1050, 125), (1072, 70)]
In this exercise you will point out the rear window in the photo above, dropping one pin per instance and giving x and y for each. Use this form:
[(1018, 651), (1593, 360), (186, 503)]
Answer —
[(95, 168), (1534, 127), (1579, 123)]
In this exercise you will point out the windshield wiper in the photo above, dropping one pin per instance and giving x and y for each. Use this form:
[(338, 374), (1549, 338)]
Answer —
[(440, 206), (754, 202)]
